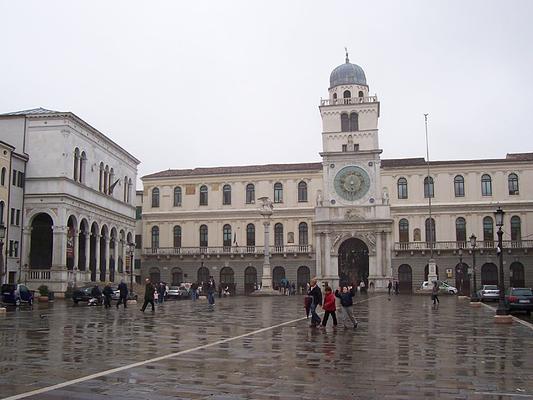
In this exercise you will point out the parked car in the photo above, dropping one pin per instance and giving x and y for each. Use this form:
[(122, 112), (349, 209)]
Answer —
[(16, 294), (489, 292), (443, 287), (177, 293), (519, 299), (84, 294)]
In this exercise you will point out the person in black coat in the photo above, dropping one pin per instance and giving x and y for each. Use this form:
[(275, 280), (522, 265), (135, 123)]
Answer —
[(316, 300), (211, 289), (108, 292), (123, 294), (149, 291)]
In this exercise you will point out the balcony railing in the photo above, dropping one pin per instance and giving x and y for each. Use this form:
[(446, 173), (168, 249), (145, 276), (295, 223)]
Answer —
[(351, 100), (226, 250), (453, 245)]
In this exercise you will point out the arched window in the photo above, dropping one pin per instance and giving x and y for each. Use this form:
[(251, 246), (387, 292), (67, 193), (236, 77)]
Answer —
[(278, 192), (226, 194), (486, 185), (402, 188), (126, 189), (203, 236), (203, 195), (403, 226), (130, 186), (347, 96), (250, 193), (106, 179), (354, 122), (460, 230), (334, 98), (459, 186), (3, 177), (101, 178), (303, 238), (512, 181), (302, 192), (155, 237), (155, 197), (177, 236), (83, 166), (278, 235), (516, 228), (488, 231), (111, 181), (361, 94), (76, 164), (345, 122), (2, 206), (429, 190), (177, 196), (226, 236), (430, 231), (250, 235)]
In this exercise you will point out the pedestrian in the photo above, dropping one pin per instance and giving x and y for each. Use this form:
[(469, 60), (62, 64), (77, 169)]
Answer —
[(307, 305), (194, 289), (211, 289), (362, 287), (123, 299), (96, 294), (149, 292), (161, 290), (329, 307), (389, 286), (435, 295), (346, 294), (108, 292), (396, 287), (316, 294)]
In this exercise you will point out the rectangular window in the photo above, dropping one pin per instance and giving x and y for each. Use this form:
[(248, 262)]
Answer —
[(344, 148), (15, 249), (15, 177), (20, 182), (12, 220), (138, 212), (17, 222), (137, 264), (10, 252), (138, 241)]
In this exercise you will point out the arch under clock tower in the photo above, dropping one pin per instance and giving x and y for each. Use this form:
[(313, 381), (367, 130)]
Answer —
[(353, 227)]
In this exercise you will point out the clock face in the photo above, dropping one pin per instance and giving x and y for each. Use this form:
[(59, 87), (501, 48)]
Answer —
[(351, 183)]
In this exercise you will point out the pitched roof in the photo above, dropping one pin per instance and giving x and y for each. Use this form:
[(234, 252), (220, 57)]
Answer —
[(33, 111), (420, 161), (245, 169)]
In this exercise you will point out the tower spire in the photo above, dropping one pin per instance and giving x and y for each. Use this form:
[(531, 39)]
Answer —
[(347, 59)]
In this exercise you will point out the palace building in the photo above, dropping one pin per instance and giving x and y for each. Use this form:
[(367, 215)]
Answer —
[(352, 217), (72, 194)]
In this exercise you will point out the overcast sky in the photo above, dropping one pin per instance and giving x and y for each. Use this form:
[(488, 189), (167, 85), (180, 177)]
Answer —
[(188, 84)]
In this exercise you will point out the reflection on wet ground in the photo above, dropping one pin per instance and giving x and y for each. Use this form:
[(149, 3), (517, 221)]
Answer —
[(403, 349)]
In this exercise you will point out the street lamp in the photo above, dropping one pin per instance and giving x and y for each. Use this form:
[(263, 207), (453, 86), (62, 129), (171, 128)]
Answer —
[(473, 243), (502, 310), (131, 252), (2, 237)]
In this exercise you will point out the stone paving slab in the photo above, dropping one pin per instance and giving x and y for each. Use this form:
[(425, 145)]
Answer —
[(403, 349)]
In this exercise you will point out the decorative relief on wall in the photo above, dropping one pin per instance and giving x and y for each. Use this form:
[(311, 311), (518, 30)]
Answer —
[(190, 189), (353, 215)]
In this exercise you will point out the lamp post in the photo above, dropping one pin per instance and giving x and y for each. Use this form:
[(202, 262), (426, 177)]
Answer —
[(502, 309), (131, 253), (2, 237), (473, 243)]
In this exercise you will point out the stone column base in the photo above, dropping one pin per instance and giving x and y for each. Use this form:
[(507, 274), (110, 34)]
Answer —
[(265, 292), (503, 319)]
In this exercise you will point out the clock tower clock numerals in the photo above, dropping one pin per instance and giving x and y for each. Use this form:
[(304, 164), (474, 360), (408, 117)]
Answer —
[(352, 183)]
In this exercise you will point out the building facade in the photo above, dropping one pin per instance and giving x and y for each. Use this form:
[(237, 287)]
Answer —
[(78, 189), (6, 156), (351, 218)]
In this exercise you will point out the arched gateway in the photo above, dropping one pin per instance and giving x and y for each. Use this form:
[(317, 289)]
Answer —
[(353, 262)]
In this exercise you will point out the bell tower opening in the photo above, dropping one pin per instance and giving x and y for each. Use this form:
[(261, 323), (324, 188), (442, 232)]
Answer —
[(353, 262)]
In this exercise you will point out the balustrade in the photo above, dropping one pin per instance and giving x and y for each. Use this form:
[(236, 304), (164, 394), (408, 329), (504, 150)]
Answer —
[(454, 245), (225, 250), (351, 100)]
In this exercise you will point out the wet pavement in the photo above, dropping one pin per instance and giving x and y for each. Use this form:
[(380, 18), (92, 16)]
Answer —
[(402, 349)]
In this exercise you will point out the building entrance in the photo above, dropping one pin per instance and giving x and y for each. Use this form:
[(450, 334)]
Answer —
[(353, 262)]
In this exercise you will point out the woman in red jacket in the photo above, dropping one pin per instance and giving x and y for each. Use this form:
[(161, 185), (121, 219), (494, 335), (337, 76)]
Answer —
[(329, 307)]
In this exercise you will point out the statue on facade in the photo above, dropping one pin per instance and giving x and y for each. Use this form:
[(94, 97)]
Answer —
[(266, 206), (385, 198), (319, 199)]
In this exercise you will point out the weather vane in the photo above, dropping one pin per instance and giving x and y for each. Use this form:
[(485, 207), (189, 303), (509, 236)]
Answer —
[(346, 50)]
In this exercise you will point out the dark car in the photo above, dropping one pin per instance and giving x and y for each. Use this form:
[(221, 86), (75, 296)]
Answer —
[(519, 299), (16, 294), (84, 294)]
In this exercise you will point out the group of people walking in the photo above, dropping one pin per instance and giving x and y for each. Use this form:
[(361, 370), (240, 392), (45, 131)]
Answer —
[(314, 299)]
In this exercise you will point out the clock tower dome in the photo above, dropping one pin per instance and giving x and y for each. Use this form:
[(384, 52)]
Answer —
[(352, 222)]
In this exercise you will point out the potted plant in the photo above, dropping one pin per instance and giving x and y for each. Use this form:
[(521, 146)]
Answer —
[(43, 293)]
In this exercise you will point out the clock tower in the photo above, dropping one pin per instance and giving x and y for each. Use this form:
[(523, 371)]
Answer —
[(353, 228)]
